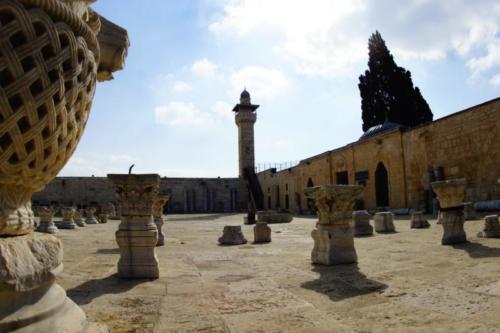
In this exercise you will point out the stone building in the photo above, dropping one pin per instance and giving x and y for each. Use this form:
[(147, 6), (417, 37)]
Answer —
[(188, 195), (396, 165)]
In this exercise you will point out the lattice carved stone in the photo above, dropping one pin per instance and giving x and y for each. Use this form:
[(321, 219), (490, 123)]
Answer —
[(47, 82)]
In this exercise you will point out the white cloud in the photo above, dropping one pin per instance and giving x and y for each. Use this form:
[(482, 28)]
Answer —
[(223, 110), (181, 87), (183, 115), (329, 38), (203, 68), (495, 80), (263, 83)]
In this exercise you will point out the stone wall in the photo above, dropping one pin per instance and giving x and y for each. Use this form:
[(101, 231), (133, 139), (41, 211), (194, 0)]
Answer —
[(188, 195), (464, 144)]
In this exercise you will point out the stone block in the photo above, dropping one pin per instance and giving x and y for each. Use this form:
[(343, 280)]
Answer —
[(418, 220), (453, 226), (262, 233), (232, 235), (361, 223), (384, 222), (491, 227), (333, 245)]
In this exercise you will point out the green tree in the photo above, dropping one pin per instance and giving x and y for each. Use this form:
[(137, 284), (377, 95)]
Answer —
[(387, 91)]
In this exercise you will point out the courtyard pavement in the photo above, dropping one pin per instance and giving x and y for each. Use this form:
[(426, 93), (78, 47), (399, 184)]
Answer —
[(403, 282)]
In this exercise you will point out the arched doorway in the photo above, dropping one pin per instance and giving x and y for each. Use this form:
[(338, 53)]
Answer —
[(310, 202), (381, 186)]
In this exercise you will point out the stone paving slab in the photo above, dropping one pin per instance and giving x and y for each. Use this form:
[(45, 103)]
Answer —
[(403, 282)]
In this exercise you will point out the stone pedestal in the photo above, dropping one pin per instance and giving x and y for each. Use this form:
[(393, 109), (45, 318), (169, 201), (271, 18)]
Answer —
[(418, 220), (333, 236), (67, 221), (232, 235), (103, 218), (160, 202), (450, 194), (79, 218), (90, 216), (30, 300), (137, 234), (491, 227), (46, 221), (261, 233), (361, 223), (384, 222)]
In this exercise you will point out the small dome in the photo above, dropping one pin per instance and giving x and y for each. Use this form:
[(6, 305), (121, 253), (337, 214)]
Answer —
[(379, 129)]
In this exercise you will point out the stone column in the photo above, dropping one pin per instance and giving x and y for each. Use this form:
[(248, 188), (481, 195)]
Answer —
[(79, 218), (333, 236), (111, 210), (90, 214), (46, 221), (160, 202), (450, 194), (491, 227), (67, 222), (418, 220), (137, 234), (361, 223)]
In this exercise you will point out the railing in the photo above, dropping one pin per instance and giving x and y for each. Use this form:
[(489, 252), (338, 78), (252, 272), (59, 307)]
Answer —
[(259, 167)]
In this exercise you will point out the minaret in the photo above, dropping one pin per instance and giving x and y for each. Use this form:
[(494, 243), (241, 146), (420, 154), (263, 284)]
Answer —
[(245, 119)]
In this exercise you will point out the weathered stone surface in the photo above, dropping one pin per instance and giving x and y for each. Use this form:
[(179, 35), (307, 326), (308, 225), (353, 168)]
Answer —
[(453, 226), (111, 210), (418, 220), (384, 222), (361, 223), (450, 194), (491, 227), (273, 216), (103, 218), (261, 233), (160, 202), (333, 236), (67, 221), (137, 234), (469, 211), (79, 218), (232, 235), (16, 216), (46, 220), (30, 300), (90, 216)]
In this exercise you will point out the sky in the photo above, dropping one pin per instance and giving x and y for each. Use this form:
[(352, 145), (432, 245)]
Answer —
[(169, 110)]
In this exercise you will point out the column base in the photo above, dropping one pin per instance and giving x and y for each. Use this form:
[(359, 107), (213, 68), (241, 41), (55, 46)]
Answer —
[(262, 233), (333, 245), (66, 225), (47, 228), (453, 226), (30, 300), (138, 257)]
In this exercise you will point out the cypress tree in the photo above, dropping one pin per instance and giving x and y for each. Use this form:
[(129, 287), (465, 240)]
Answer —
[(387, 91)]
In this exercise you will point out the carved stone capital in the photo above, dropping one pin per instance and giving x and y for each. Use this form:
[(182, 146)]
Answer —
[(16, 216), (450, 193), (136, 194), (334, 202)]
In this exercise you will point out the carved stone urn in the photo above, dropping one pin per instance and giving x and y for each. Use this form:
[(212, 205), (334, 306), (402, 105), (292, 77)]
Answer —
[(49, 62), (160, 202), (137, 234), (450, 194), (333, 236)]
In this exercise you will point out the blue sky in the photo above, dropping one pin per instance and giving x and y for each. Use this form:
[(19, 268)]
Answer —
[(169, 111)]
